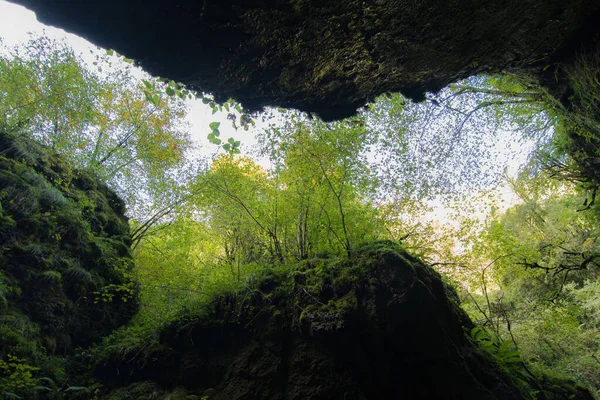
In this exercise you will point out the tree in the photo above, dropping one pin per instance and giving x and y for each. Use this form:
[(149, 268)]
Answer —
[(102, 120), (456, 142), (324, 168), (538, 272)]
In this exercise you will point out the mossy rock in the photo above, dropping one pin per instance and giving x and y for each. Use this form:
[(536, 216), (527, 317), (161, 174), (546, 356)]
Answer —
[(60, 264), (376, 325)]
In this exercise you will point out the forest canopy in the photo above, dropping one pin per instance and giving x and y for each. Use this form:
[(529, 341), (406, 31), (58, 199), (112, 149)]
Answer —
[(525, 266)]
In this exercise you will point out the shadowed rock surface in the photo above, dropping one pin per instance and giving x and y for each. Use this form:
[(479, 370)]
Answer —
[(381, 325), (329, 56), (64, 254)]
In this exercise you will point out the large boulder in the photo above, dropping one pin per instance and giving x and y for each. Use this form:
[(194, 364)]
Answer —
[(380, 325), (330, 56), (65, 263)]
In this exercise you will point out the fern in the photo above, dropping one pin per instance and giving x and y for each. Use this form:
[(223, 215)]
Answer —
[(52, 197), (508, 353), (52, 276), (504, 351), (21, 149), (79, 273), (484, 339)]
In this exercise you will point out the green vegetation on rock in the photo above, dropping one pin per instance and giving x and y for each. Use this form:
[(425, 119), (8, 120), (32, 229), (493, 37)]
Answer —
[(66, 276)]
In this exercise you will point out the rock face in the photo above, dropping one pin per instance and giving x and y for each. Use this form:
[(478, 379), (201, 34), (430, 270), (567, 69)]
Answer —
[(64, 255), (379, 326), (329, 56)]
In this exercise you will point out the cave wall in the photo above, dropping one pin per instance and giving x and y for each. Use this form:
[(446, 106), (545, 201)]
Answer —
[(328, 56)]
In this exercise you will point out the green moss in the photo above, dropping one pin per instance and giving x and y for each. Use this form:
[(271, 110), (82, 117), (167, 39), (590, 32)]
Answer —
[(55, 255), (321, 290)]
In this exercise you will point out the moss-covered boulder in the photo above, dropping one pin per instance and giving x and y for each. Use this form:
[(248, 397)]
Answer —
[(64, 256), (381, 325)]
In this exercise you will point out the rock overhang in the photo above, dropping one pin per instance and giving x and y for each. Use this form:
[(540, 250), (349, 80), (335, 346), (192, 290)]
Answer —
[(325, 56)]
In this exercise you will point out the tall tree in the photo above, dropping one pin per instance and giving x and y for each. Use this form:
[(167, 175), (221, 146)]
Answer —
[(129, 132)]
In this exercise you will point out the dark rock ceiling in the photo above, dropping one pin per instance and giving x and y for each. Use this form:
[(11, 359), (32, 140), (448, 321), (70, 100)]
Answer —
[(327, 56)]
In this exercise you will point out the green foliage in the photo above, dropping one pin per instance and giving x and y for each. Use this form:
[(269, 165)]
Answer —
[(455, 143), (296, 291), (55, 254), (539, 290), (129, 132), (503, 351), (16, 376)]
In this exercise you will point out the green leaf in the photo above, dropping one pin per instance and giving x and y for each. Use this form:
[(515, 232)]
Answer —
[(217, 141), (110, 52), (46, 379), (148, 85), (77, 389), (231, 140), (511, 356), (170, 91), (227, 146), (206, 100), (214, 125), (128, 60), (236, 143)]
